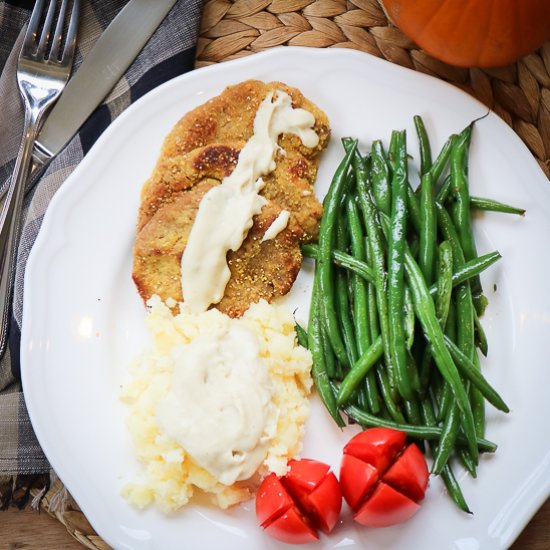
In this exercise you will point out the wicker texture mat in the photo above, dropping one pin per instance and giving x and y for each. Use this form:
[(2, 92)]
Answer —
[(519, 93), (59, 504)]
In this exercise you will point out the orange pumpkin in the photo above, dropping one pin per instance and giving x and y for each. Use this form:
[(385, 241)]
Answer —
[(473, 33)]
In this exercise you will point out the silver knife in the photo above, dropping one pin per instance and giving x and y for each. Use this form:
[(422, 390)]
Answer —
[(102, 68)]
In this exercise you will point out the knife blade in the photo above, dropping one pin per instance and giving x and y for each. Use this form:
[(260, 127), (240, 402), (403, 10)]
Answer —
[(102, 68)]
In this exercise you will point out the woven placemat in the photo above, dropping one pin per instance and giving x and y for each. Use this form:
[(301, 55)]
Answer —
[(519, 93), (58, 503)]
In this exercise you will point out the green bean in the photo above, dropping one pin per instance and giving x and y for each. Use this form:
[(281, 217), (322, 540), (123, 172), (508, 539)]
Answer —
[(425, 310), (374, 322), (429, 433), (441, 160), (361, 400), (481, 338), (464, 320), (425, 373), (414, 209), (342, 298), (413, 372), (374, 326), (472, 268), (396, 271), (444, 191), (424, 145), (451, 428), (361, 301), (462, 273), (428, 228), (331, 364), (477, 399), (427, 410), (412, 412), (301, 335), (450, 234), (326, 243), (465, 327), (453, 488), (445, 402), (459, 185), (447, 474), (444, 282), (318, 371), (408, 309), (450, 326), (444, 393), (358, 372), (469, 369), (481, 203), (360, 296), (342, 259), (480, 301), (380, 174), (467, 461), (394, 138), (461, 206)]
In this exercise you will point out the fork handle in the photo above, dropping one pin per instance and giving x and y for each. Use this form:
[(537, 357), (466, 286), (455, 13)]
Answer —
[(10, 225)]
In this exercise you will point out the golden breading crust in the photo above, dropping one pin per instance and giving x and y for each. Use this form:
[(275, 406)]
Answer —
[(199, 152)]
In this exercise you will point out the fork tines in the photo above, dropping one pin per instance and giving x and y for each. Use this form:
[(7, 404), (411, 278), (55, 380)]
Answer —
[(40, 43)]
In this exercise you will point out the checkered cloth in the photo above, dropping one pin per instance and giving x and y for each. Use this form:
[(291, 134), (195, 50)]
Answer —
[(169, 53)]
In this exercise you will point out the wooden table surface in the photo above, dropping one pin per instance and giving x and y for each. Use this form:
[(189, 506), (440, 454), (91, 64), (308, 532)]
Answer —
[(29, 530)]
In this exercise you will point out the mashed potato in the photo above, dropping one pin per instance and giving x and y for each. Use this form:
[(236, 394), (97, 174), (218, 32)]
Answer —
[(170, 475)]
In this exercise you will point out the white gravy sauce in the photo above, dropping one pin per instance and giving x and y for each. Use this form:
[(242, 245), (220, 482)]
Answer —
[(219, 406), (226, 211), (279, 223)]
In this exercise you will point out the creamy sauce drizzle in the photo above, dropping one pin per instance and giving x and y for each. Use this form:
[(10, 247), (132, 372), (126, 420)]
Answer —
[(219, 406), (226, 211), (279, 223)]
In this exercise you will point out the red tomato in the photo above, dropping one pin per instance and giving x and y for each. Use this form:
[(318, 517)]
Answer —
[(293, 507), (382, 478), (385, 507)]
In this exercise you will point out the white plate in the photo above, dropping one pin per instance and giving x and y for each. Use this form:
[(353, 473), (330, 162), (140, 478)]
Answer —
[(83, 320)]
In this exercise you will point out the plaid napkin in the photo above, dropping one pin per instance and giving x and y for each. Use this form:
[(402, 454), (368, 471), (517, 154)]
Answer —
[(169, 53)]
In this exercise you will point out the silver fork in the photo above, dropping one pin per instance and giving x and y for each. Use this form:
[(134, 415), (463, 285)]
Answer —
[(43, 69)]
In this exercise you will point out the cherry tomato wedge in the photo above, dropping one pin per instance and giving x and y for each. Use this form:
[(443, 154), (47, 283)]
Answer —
[(382, 478), (409, 474), (291, 508), (385, 507)]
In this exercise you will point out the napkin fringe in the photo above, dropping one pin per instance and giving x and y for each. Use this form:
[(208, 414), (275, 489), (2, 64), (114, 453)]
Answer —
[(16, 491)]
